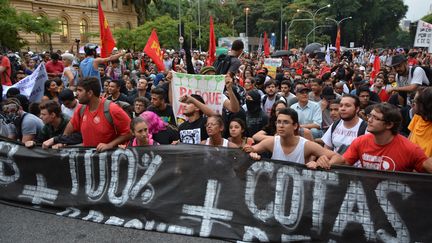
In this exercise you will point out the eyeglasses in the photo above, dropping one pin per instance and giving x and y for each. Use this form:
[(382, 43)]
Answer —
[(374, 117), (283, 122)]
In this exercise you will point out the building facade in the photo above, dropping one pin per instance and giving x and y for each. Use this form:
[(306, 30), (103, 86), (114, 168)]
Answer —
[(78, 20)]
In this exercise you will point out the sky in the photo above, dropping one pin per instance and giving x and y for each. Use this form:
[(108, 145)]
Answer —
[(417, 9)]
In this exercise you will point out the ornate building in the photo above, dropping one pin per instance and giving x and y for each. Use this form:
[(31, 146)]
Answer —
[(78, 20)]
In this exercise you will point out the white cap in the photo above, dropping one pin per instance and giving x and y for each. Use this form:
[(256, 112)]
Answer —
[(361, 68)]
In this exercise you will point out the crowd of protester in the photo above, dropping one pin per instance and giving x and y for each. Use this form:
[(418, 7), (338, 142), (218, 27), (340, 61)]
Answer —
[(314, 111)]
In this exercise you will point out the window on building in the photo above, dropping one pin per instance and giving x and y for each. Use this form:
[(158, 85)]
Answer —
[(128, 25), (83, 30), (64, 29)]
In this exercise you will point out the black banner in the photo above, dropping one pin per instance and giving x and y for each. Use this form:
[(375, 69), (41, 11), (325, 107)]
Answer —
[(218, 193)]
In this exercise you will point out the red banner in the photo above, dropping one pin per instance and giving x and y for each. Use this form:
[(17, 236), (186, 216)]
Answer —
[(338, 43), (212, 45), (266, 45), (106, 37), (152, 49)]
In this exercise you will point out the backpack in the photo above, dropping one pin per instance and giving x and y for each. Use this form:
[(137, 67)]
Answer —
[(361, 131), (222, 64), (106, 112), (278, 96), (427, 70)]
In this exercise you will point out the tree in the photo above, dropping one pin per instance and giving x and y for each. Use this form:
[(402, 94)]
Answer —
[(142, 9), (12, 23), (427, 18)]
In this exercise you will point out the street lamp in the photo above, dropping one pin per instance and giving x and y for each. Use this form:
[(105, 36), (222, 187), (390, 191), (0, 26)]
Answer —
[(246, 13), (338, 22), (319, 26), (313, 16)]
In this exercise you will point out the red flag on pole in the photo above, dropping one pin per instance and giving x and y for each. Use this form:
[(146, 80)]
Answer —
[(338, 43), (152, 49), (286, 43), (266, 45), (376, 68), (212, 45), (107, 40)]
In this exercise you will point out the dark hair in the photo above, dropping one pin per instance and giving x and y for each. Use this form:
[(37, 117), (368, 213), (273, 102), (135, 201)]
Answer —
[(293, 114), (159, 92), (241, 123), (286, 82), (55, 56), (117, 82), (270, 128), (51, 106), (237, 45), (326, 76), (200, 99), (143, 100), (66, 95), (90, 83), (34, 109), (337, 101), (391, 114), (135, 121), (363, 88), (270, 82), (317, 80), (424, 103), (355, 97)]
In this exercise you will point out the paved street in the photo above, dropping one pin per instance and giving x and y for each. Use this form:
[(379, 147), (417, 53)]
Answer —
[(23, 225)]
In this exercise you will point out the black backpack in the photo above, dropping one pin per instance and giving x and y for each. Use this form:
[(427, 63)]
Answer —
[(427, 70), (222, 64)]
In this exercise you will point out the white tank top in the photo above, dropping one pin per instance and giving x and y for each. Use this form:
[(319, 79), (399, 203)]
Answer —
[(224, 144), (297, 155)]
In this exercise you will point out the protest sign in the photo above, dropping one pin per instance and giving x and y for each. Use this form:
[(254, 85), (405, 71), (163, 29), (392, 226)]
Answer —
[(272, 64), (423, 34), (210, 87), (31, 86), (218, 193)]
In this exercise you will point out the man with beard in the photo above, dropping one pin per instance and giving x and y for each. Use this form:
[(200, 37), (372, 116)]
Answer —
[(97, 131), (271, 96), (408, 78), (342, 132), (382, 148), (256, 118)]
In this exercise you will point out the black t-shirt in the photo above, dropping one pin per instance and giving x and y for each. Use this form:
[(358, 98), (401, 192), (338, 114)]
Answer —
[(122, 98), (193, 132), (166, 136), (167, 115), (255, 122)]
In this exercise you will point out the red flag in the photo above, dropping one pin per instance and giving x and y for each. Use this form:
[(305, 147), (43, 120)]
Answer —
[(338, 43), (152, 49), (266, 45), (376, 68), (286, 43), (107, 40), (212, 45)]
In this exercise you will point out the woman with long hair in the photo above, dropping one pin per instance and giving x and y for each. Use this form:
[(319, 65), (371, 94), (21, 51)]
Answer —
[(215, 128), (51, 90), (237, 128)]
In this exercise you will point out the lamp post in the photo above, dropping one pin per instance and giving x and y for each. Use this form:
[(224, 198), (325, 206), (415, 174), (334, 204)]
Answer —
[(313, 16), (319, 26), (338, 22), (246, 14), (289, 27), (199, 25)]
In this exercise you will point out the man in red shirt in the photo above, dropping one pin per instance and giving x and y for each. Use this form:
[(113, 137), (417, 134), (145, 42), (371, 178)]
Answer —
[(383, 148), (5, 70), (96, 130), (54, 67)]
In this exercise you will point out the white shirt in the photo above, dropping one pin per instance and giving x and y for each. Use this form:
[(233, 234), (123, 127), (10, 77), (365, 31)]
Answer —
[(342, 136), (297, 155)]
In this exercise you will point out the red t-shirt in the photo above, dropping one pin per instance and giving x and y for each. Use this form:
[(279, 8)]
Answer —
[(5, 76), (399, 155), (56, 68), (94, 126)]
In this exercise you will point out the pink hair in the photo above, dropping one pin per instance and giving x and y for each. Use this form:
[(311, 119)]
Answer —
[(154, 122)]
